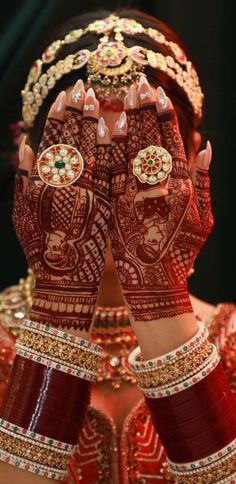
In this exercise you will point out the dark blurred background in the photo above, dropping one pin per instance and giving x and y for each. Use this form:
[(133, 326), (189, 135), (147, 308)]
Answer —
[(208, 30)]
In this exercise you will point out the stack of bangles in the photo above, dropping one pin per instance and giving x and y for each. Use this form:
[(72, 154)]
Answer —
[(192, 409)]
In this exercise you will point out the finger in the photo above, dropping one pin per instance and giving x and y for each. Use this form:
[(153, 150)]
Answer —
[(118, 155), (103, 134), (102, 172), (73, 115), (53, 126), (201, 183), (134, 138), (26, 162), (54, 123), (88, 138), (171, 136), (151, 132)]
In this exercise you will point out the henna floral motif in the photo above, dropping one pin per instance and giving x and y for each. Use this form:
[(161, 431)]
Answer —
[(63, 230), (155, 239)]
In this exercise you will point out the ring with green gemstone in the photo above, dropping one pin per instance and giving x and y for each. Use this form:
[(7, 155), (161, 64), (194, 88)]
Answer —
[(152, 165), (60, 165)]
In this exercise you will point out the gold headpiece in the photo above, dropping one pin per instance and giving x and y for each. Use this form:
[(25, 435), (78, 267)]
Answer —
[(111, 66)]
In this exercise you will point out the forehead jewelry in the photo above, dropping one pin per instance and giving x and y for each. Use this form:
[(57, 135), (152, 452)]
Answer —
[(60, 165), (111, 67)]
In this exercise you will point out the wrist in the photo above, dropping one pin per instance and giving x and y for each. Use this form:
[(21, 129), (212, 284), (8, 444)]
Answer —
[(62, 308), (162, 303)]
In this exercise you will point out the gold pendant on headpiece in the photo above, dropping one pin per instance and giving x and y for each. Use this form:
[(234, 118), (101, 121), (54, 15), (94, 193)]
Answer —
[(112, 66), (60, 165), (152, 165)]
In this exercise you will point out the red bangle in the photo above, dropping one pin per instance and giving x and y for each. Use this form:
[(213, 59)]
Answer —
[(45, 400), (186, 430)]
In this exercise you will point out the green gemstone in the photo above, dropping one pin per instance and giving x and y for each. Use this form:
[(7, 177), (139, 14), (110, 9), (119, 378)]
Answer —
[(150, 162), (60, 164)]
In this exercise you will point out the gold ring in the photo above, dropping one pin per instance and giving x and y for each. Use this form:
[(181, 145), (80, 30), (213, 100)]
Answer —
[(60, 165), (152, 164)]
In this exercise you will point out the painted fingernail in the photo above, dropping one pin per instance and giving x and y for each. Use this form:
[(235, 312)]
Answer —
[(162, 99), (22, 149), (77, 91), (60, 101), (101, 128), (143, 80), (208, 155), (131, 98), (121, 122), (145, 91), (89, 100)]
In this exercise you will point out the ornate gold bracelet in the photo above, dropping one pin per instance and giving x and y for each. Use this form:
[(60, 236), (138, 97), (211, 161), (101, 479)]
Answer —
[(177, 369), (218, 472), (33, 452), (63, 351)]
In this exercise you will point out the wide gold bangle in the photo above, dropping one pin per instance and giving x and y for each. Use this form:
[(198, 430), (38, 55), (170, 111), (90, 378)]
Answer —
[(177, 369)]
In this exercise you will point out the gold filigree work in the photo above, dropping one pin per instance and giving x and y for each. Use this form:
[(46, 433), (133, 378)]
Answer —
[(170, 372), (33, 452), (65, 352)]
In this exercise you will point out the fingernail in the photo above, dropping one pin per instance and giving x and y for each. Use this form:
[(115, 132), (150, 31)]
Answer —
[(77, 91), (143, 80), (208, 155), (22, 149), (60, 101), (145, 91), (101, 128), (121, 122), (89, 104), (162, 99), (131, 99), (200, 157), (90, 93)]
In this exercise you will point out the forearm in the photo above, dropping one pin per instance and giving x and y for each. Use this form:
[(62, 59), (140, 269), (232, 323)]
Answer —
[(165, 334), (192, 408)]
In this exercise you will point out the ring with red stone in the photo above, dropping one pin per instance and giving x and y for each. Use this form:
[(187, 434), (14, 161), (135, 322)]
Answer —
[(152, 164), (60, 165)]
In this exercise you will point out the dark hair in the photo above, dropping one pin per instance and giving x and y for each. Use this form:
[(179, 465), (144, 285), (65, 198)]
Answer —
[(187, 118)]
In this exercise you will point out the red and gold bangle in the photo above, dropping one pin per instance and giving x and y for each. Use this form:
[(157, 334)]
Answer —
[(58, 349), (46, 400)]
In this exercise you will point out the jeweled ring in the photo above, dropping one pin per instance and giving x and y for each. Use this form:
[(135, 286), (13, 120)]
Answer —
[(152, 165), (60, 165)]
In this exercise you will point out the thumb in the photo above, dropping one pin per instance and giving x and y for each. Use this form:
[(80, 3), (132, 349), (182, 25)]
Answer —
[(201, 182), (26, 160)]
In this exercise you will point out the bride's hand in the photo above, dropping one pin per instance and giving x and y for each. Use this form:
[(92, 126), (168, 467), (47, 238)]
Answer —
[(157, 229), (63, 229)]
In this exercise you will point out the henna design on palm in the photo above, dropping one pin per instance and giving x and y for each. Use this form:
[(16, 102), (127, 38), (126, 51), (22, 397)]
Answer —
[(63, 230), (155, 239)]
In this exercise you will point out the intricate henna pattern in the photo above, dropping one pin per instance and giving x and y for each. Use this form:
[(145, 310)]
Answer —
[(156, 239), (63, 230)]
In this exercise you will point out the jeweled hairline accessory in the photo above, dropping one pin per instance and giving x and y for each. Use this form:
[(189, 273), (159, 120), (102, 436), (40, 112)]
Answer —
[(112, 66)]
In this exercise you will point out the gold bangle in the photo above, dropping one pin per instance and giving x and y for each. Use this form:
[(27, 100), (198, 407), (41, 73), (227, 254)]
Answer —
[(222, 470), (33, 452), (170, 372), (63, 351)]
